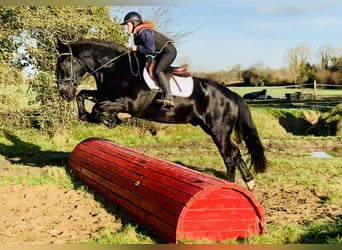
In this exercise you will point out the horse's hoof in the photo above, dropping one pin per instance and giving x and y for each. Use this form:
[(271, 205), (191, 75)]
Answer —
[(83, 117), (250, 185), (110, 123), (124, 117), (104, 106)]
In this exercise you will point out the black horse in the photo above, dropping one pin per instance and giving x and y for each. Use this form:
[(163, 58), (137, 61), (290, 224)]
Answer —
[(121, 88)]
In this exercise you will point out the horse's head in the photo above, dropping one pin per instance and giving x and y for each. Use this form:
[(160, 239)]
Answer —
[(69, 71)]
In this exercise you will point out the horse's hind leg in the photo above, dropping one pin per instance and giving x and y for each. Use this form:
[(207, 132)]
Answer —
[(109, 118), (107, 112), (234, 159), (231, 155), (245, 173)]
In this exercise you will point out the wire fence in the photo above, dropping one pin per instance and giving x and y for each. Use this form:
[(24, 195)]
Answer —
[(318, 91), (310, 95)]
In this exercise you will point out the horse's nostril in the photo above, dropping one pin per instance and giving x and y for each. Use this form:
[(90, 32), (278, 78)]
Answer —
[(65, 97)]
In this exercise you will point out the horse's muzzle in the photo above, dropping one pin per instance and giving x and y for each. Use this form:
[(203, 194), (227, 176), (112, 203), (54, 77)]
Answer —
[(65, 97), (67, 94)]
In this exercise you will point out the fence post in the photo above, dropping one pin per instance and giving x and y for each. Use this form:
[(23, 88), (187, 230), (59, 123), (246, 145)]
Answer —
[(315, 89)]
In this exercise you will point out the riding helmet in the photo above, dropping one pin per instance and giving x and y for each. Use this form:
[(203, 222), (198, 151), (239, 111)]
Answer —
[(132, 17)]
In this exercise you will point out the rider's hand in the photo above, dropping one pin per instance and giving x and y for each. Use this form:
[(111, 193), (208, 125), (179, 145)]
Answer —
[(134, 48)]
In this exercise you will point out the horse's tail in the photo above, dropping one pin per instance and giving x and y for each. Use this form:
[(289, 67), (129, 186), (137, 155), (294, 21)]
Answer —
[(246, 130)]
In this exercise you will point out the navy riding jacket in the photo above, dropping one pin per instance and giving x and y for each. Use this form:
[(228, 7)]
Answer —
[(145, 42)]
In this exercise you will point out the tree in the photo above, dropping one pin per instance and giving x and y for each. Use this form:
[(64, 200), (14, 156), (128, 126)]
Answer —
[(336, 61), (330, 66), (36, 28), (325, 53), (44, 24), (185, 60), (9, 24), (165, 17), (298, 61)]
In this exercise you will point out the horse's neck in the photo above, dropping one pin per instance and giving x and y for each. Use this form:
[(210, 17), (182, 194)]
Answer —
[(123, 67), (96, 55)]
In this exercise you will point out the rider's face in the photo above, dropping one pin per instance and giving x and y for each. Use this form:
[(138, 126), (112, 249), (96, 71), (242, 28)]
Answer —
[(129, 27)]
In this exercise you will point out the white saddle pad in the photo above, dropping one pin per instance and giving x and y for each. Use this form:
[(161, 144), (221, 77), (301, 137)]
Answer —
[(180, 86)]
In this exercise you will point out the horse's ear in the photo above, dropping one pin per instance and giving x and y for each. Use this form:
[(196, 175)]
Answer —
[(61, 47)]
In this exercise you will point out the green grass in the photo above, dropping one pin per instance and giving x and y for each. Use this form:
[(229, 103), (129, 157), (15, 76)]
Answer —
[(319, 174), (279, 92), (16, 97), (128, 235), (315, 233), (52, 175)]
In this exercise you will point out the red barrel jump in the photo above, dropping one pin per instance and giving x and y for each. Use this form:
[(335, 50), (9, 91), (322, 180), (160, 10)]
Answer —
[(171, 201)]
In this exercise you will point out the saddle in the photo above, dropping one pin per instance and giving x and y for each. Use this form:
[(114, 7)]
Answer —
[(181, 71)]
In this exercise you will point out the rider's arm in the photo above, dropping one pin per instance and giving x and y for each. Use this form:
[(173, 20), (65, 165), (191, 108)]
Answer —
[(147, 45)]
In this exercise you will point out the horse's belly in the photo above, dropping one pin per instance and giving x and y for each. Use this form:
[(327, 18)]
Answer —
[(165, 116)]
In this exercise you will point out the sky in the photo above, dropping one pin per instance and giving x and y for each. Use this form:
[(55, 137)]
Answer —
[(229, 33), (239, 32)]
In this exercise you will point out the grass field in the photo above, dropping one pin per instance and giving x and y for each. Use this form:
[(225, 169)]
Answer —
[(279, 92), (301, 195)]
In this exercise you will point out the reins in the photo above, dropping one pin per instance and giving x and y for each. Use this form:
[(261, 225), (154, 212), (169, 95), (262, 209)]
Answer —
[(72, 77), (109, 62), (130, 65)]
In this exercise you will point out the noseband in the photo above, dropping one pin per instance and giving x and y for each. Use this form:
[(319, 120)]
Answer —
[(72, 78)]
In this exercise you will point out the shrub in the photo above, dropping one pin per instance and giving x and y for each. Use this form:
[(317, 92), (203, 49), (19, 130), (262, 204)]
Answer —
[(55, 112)]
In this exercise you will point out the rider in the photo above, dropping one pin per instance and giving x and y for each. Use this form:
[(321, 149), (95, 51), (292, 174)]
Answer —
[(155, 46)]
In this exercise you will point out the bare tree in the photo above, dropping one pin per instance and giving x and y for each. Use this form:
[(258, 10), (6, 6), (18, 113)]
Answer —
[(298, 61), (185, 60), (330, 71), (168, 19), (336, 60), (325, 53)]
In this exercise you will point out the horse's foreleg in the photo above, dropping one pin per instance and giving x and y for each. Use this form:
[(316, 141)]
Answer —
[(80, 98)]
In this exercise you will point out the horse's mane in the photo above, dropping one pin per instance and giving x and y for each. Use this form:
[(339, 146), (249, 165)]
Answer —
[(101, 43)]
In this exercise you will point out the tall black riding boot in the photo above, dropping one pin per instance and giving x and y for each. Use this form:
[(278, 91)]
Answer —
[(168, 100)]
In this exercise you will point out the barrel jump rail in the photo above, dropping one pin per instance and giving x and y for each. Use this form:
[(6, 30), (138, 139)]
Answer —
[(171, 201)]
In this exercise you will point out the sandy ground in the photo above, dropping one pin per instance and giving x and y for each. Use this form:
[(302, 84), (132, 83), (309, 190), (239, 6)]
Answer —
[(295, 205), (51, 214)]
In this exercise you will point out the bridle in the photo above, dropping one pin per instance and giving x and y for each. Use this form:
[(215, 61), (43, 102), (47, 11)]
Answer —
[(72, 78)]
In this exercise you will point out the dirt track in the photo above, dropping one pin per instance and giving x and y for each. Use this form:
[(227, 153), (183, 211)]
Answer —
[(50, 214), (295, 205)]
